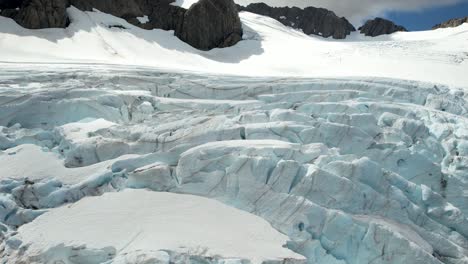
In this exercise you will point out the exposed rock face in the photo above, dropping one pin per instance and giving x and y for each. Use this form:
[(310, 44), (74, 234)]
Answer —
[(161, 13), (452, 23), (311, 20), (380, 26), (130, 8), (211, 23), (207, 24), (36, 14)]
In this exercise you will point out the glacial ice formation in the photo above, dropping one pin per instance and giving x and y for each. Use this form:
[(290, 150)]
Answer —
[(355, 170)]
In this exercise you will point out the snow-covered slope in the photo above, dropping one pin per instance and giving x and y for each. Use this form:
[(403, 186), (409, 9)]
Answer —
[(349, 167), (269, 49)]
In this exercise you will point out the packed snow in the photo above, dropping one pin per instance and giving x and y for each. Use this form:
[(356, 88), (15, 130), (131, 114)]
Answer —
[(282, 148), (143, 224)]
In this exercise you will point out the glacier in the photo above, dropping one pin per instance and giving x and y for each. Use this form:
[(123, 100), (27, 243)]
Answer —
[(285, 148), (344, 170)]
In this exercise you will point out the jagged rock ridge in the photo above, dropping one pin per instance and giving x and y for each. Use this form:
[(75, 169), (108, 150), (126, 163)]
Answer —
[(380, 26), (310, 20), (455, 22), (208, 24)]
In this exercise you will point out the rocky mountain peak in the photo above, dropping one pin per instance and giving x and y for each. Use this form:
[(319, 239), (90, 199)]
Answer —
[(311, 20), (452, 23), (380, 26)]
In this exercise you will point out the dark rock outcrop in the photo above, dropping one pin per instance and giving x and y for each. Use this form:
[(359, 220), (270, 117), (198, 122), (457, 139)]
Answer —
[(211, 23), (380, 26), (37, 14), (207, 24), (129, 8), (452, 23), (161, 13), (10, 4), (30, 12), (310, 20)]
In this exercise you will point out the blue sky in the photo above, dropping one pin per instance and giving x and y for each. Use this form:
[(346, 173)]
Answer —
[(427, 18)]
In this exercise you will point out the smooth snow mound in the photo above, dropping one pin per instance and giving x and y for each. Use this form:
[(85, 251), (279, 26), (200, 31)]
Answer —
[(135, 220), (268, 49)]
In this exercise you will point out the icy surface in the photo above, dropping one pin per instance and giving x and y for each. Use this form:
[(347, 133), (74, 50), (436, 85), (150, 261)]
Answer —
[(350, 170)]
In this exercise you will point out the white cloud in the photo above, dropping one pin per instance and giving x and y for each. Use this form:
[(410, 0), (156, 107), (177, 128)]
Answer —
[(358, 10)]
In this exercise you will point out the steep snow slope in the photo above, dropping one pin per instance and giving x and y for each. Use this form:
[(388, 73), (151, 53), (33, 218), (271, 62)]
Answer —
[(269, 49), (352, 170)]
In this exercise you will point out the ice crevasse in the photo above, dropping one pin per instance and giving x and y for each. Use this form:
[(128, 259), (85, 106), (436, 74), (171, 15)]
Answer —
[(357, 170)]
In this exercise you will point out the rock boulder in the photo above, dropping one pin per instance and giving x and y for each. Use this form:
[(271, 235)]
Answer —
[(211, 23)]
